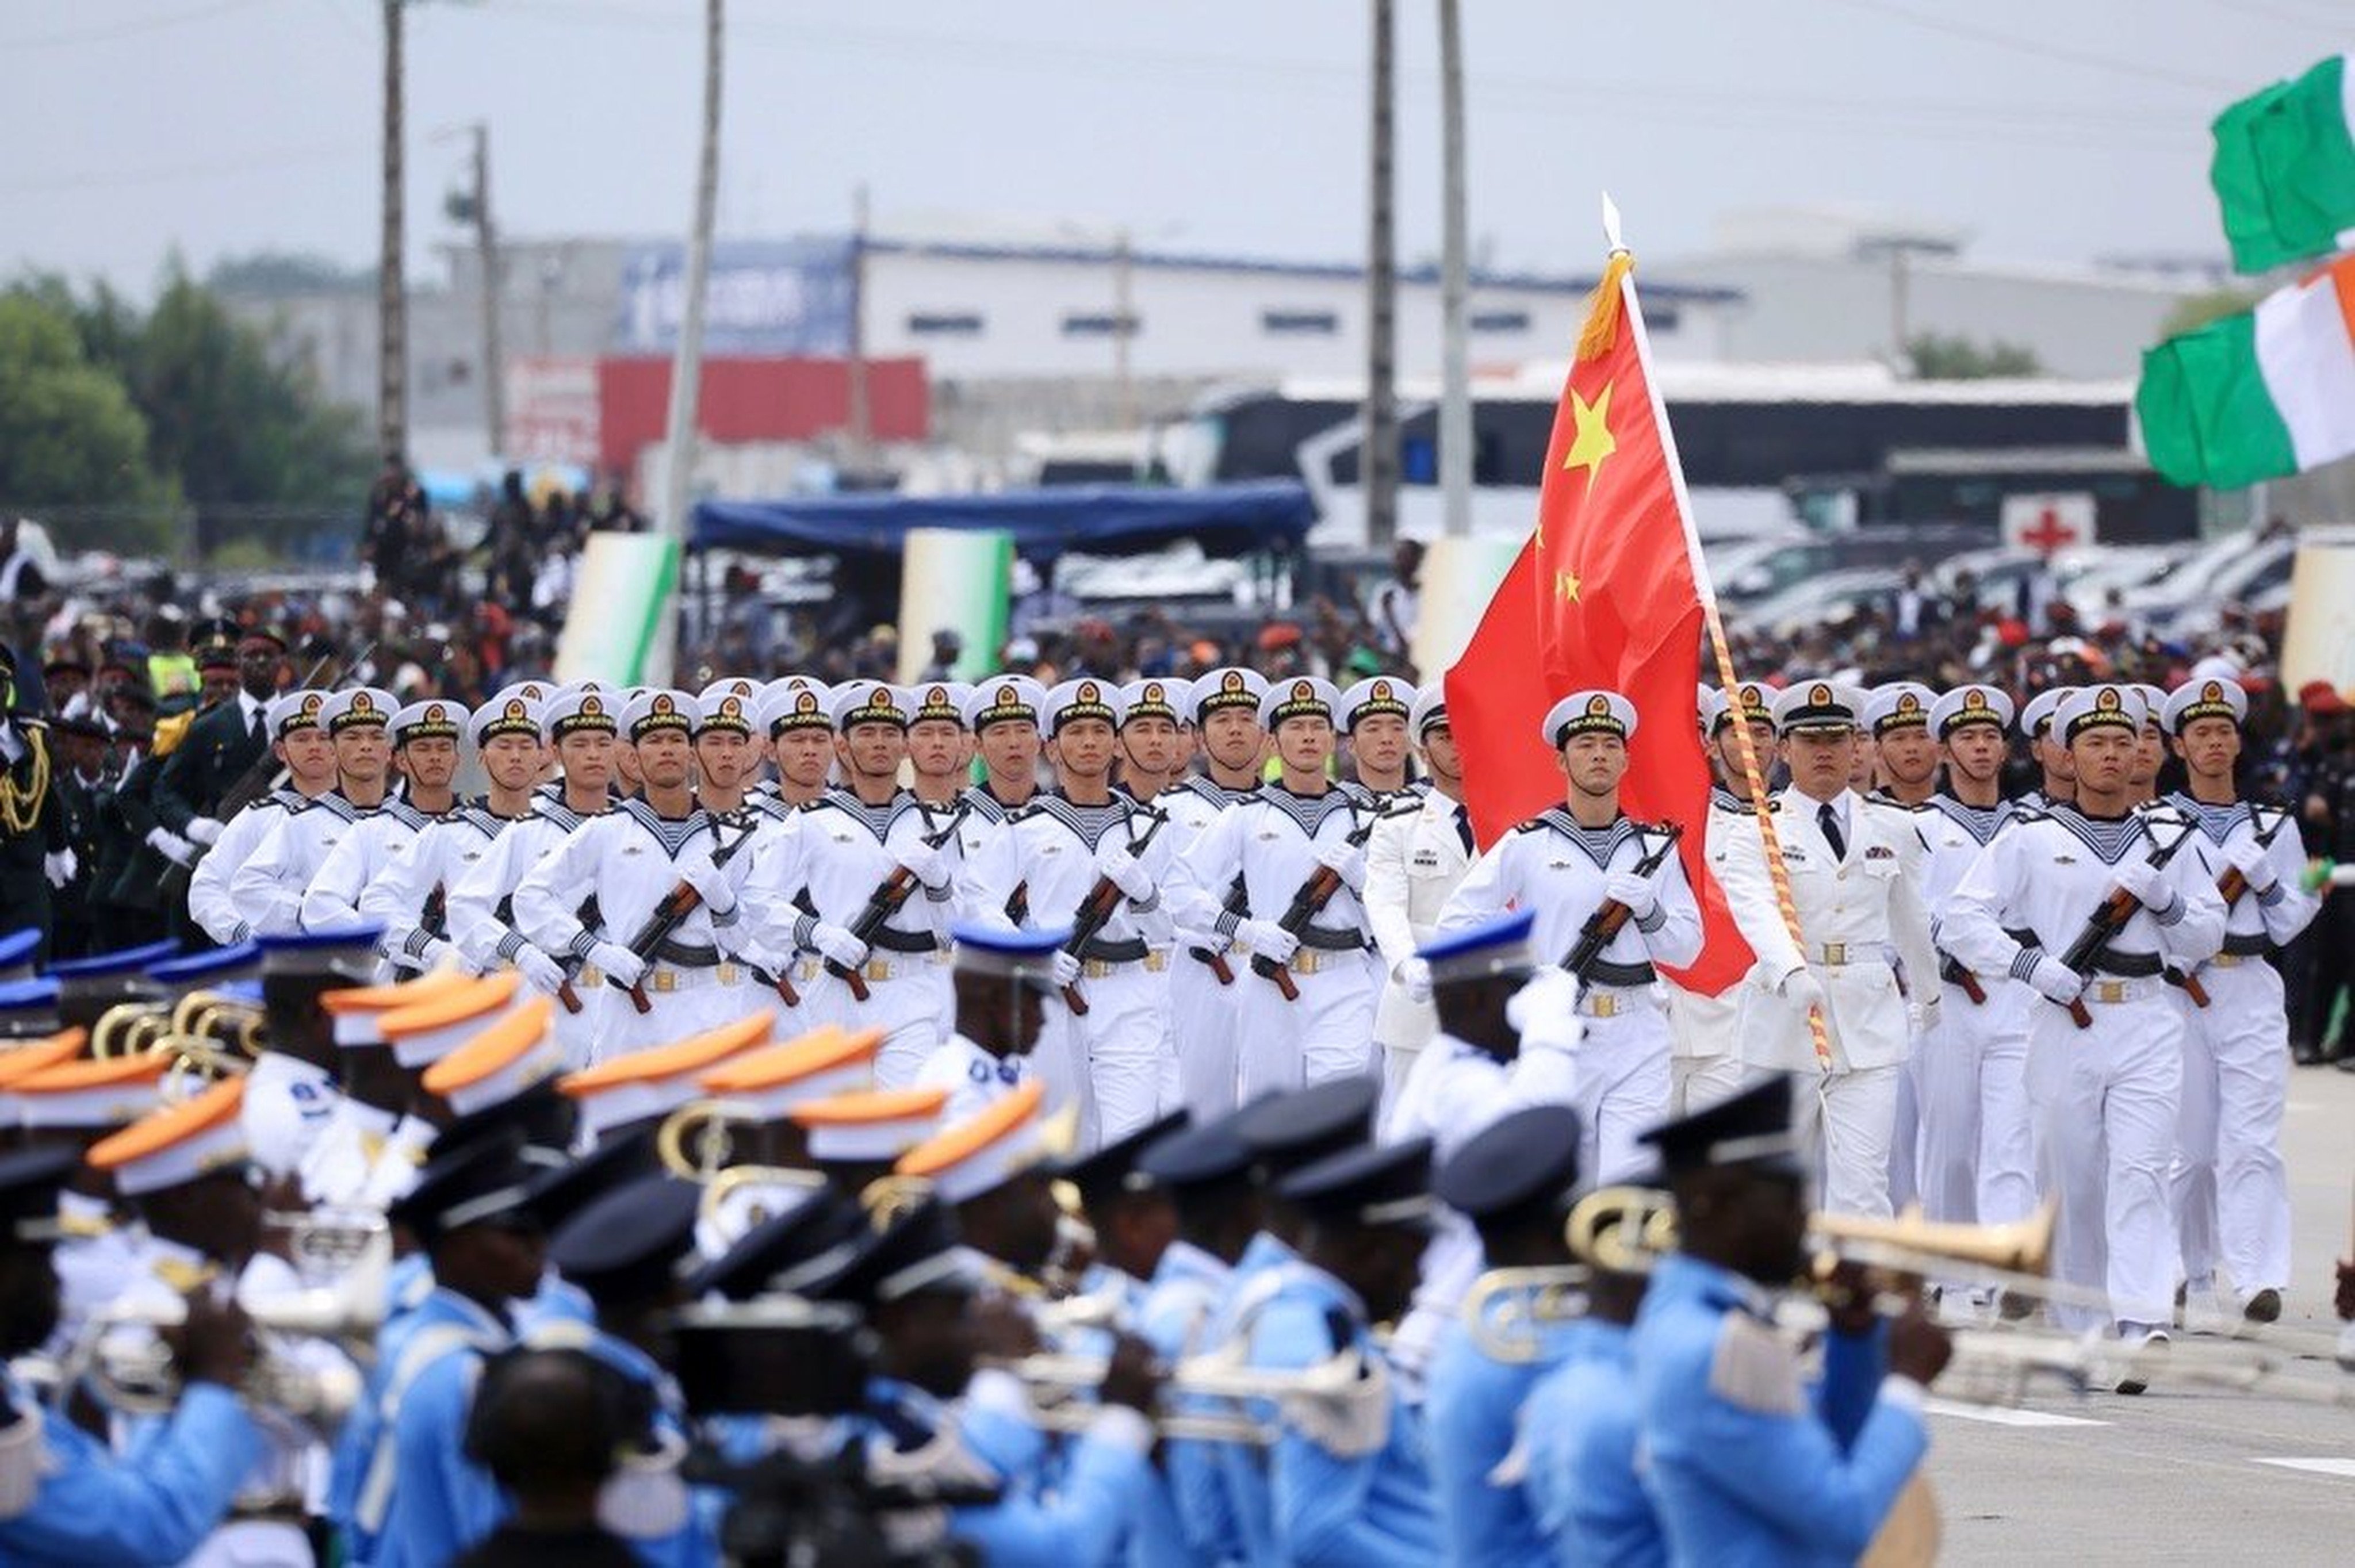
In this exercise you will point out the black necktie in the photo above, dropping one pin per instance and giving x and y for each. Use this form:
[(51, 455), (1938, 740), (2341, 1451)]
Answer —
[(1828, 820), (1464, 829), (260, 733)]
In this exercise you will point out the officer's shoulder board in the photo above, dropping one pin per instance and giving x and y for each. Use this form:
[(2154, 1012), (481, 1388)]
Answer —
[(1755, 1369), (1534, 825), (2019, 812), (169, 733)]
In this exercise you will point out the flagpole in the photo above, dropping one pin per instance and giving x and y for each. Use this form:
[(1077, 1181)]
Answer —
[(1753, 777)]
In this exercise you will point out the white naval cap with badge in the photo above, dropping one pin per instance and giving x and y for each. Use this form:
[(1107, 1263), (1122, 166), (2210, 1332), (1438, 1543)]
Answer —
[(939, 701), (2091, 708), (652, 711), (1082, 699), (357, 706), (508, 714), (293, 710), (1898, 704), (2198, 699), (796, 702), (1816, 707), (1004, 700), (1968, 705), (2037, 716), (732, 707), (1588, 713), (1429, 712), (1377, 697), (1297, 696), (1232, 687), (1155, 697), (869, 702), (435, 718), (586, 708)]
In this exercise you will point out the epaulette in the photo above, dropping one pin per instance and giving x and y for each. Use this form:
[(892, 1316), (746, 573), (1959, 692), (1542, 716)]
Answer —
[(1531, 826), (169, 733), (2021, 813), (1755, 1369)]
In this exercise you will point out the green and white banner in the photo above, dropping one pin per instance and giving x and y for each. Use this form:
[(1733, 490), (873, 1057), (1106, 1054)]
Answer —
[(2284, 169), (619, 627), (955, 580)]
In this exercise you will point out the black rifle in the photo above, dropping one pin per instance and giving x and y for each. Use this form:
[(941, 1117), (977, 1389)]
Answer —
[(885, 902), (1316, 891), (1610, 916), (1097, 909), (675, 905), (2109, 918)]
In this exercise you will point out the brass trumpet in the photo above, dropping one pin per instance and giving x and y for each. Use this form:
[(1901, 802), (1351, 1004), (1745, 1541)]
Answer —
[(1507, 1310), (128, 1029), (728, 1221), (693, 1142), (1343, 1402), (1622, 1230)]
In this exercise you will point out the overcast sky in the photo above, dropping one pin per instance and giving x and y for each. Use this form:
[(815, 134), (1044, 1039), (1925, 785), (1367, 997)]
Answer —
[(2053, 130)]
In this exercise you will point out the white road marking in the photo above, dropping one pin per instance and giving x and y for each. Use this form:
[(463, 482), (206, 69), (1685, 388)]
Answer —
[(2318, 1467), (2006, 1416)]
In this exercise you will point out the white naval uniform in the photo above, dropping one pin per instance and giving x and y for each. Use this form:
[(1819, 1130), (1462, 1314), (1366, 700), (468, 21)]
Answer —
[(364, 1157), (210, 902), (1269, 839), (288, 1104), (1108, 1062), (483, 926), (397, 896), (1556, 869), (331, 900), (836, 855), (1204, 1015), (975, 1079), (270, 885), (1412, 864), (2230, 1189), (1977, 1156), (627, 860), (2105, 1097), (1863, 919), (1453, 1092), (1704, 1031)]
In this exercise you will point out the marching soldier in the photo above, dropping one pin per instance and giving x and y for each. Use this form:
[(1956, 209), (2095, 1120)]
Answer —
[(1565, 865), (1705, 1060), (80, 781), (938, 745), (2109, 1089), (1204, 1010), (2056, 780), (425, 750), (1307, 1003), (1153, 735), (223, 744), (299, 739), (36, 849), (1060, 853), (727, 745), (628, 860), (1001, 981), (2150, 751), (1373, 715), (2232, 1193), (410, 897), (1413, 865), (1743, 1465), (1003, 713), (1896, 728), (269, 887), (798, 714), (1854, 871)]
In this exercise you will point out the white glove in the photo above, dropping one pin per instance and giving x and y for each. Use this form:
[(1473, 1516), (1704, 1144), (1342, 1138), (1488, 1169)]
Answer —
[(59, 868), (1067, 969), (1545, 1011), (540, 972), (1346, 862), (927, 864), (1413, 976), (204, 830), (710, 883), (1802, 989), (432, 955), (1637, 892), (2055, 981), (1268, 940), (1126, 872), (618, 961), (2244, 856), (838, 945), (172, 847), (2148, 883), (1925, 1017)]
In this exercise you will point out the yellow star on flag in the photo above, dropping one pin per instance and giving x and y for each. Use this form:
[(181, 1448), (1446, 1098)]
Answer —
[(1565, 585), (1593, 440)]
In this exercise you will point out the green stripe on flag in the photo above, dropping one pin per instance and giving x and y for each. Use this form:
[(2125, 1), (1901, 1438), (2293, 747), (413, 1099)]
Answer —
[(2207, 417), (2283, 169), (658, 606)]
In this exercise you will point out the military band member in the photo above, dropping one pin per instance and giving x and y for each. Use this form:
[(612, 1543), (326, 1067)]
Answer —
[(1561, 865), (1854, 870), (798, 714), (629, 859), (425, 740), (1204, 1011), (35, 852), (583, 726), (938, 743), (1977, 1151), (727, 745), (2107, 1095), (1372, 715), (269, 887), (1153, 742), (1705, 1060), (410, 897), (1413, 865), (69, 1503), (223, 743), (1291, 829), (1002, 981), (2231, 1190), (1743, 1465), (303, 745)]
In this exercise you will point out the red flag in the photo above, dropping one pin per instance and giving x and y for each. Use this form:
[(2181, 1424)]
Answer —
[(1602, 595)]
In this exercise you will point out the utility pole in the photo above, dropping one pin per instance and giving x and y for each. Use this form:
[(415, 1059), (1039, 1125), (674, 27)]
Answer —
[(1378, 471), (1455, 437), (392, 304), (862, 417), (494, 389), (1123, 324), (686, 361)]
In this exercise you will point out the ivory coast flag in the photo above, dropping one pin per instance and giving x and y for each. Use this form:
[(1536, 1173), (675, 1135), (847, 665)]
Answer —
[(2284, 169), (1604, 595), (2260, 395)]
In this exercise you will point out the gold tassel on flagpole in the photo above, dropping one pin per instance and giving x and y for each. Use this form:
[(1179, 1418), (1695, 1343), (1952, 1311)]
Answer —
[(1605, 309)]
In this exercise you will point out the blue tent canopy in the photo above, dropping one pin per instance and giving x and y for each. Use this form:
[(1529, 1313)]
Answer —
[(1096, 519)]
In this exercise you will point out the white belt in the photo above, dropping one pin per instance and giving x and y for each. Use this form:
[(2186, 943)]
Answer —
[(1836, 955), (900, 965), (1615, 1001), (663, 978), (2110, 989), (1152, 962)]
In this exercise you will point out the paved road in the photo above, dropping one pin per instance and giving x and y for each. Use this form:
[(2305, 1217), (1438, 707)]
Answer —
[(2181, 1474)]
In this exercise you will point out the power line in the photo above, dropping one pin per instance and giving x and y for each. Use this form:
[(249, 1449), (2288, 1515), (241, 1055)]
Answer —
[(2035, 47), (125, 29), (260, 163)]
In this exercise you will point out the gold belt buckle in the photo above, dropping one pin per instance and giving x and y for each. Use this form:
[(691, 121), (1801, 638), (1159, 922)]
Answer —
[(729, 974), (1096, 968), (1307, 961), (1156, 961), (2111, 991), (1605, 1006), (811, 969), (663, 980), (879, 968), (591, 975), (1836, 952), (2227, 960)]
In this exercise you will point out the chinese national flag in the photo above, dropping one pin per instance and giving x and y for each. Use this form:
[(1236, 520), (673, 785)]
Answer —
[(1602, 595)]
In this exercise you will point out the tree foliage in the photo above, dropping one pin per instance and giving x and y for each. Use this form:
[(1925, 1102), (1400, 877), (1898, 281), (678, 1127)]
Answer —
[(69, 430), (1935, 357), (2195, 311)]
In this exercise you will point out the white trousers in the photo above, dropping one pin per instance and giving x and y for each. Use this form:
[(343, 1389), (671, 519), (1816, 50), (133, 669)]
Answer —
[(1848, 1114), (705, 1003), (2106, 1099), (2230, 1189), (1623, 1085), (1697, 1081), (906, 1007), (1906, 1131), (1203, 1018), (1328, 1033), (1119, 1043), (1978, 1156)]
